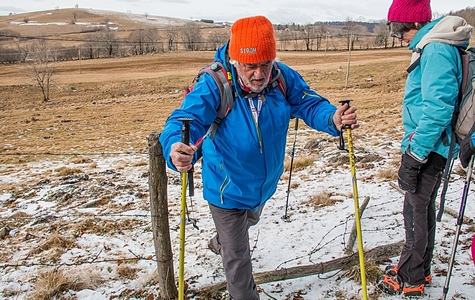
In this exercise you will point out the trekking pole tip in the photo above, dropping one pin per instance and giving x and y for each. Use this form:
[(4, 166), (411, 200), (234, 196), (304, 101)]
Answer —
[(286, 218)]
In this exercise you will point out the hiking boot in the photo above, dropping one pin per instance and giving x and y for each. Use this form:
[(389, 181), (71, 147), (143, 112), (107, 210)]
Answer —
[(428, 280), (214, 245), (392, 271), (413, 290), (389, 284)]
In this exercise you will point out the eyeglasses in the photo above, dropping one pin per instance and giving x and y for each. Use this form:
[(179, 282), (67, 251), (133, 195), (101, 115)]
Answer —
[(395, 32), (397, 35)]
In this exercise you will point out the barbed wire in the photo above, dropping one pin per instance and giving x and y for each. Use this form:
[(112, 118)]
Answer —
[(72, 154), (46, 215), (84, 262)]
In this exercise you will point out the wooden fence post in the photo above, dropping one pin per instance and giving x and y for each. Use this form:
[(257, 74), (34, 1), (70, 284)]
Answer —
[(157, 182)]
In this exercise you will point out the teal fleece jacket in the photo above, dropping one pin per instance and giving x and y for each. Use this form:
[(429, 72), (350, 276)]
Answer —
[(431, 90)]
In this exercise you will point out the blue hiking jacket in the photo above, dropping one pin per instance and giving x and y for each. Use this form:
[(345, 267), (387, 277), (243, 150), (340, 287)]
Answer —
[(431, 90), (242, 165)]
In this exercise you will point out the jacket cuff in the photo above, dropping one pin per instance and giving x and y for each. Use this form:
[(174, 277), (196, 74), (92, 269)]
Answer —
[(415, 157)]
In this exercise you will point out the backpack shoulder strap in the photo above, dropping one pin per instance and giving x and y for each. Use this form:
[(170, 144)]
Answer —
[(417, 61), (465, 59), (224, 83), (277, 81), (281, 80), (465, 70)]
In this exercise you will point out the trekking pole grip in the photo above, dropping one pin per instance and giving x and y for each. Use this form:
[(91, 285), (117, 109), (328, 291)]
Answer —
[(341, 145), (185, 139), (185, 130), (343, 102)]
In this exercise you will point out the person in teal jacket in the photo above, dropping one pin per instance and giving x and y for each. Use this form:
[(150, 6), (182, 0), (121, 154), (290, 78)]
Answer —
[(242, 165), (430, 97)]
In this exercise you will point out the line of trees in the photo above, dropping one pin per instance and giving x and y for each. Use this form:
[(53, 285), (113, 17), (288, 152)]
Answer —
[(104, 42)]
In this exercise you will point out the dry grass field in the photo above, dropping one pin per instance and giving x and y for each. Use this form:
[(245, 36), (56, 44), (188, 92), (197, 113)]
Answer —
[(113, 104)]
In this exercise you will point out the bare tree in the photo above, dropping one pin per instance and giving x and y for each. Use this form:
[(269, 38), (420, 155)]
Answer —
[(108, 42), (40, 63), (284, 37), (137, 38), (309, 35), (216, 39), (90, 47), (144, 40), (321, 33), (382, 34), (296, 36), (152, 40), (352, 30), (191, 36), (171, 35)]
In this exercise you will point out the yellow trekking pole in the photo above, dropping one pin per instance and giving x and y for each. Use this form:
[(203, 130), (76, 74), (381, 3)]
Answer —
[(185, 138), (355, 197)]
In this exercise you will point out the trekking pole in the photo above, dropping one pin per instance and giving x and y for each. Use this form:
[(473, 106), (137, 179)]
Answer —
[(445, 177), (185, 138), (459, 225), (285, 217), (357, 206)]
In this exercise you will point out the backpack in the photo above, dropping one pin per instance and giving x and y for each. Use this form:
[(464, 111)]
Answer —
[(227, 92), (464, 115)]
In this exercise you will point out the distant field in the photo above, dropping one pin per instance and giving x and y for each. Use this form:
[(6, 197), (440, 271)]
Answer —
[(113, 104)]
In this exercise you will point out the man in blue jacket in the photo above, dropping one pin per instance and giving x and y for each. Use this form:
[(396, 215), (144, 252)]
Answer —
[(430, 96), (242, 165)]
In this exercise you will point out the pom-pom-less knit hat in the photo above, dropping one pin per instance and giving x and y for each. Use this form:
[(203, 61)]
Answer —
[(410, 11), (252, 40)]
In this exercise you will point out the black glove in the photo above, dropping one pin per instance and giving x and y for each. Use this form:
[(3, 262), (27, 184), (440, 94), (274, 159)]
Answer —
[(407, 174), (467, 149)]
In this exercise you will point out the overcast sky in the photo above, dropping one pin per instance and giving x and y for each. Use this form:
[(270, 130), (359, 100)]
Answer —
[(278, 11)]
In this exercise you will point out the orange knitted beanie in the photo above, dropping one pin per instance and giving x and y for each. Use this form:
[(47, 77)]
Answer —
[(252, 40)]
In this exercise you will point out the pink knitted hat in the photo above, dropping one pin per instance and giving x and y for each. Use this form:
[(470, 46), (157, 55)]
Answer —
[(410, 11)]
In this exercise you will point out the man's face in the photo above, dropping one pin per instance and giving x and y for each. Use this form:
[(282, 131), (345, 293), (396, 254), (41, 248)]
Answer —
[(255, 76)]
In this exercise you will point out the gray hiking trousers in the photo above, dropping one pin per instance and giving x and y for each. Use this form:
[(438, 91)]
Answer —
[(233, 237), (420, 221)]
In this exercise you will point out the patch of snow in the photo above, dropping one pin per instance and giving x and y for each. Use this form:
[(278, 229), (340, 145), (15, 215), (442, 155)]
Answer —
[(311, 236)]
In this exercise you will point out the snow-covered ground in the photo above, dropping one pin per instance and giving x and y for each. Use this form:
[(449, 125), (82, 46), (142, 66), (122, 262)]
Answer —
[(103, 208)]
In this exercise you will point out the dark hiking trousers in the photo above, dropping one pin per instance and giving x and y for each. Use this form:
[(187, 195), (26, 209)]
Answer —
[(232, 226), (419, 222)]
